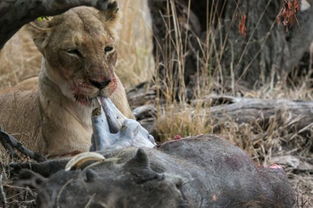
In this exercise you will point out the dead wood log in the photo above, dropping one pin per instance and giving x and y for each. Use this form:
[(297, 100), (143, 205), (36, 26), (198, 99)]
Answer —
[(298, 115), (292, 113), (10, 144), (15, 14), (142, 94)]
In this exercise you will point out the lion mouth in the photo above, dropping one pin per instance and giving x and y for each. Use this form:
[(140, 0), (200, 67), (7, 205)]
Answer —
[(87, 100), (85, 95), (84, 100)]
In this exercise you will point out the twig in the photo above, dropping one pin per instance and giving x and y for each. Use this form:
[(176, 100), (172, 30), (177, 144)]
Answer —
[(10, 143), (3, 199), (8, 148)]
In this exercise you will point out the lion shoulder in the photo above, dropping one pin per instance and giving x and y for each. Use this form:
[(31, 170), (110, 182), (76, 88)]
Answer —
[(20, 116)]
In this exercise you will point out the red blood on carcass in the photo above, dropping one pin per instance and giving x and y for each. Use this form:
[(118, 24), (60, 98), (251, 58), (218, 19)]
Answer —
[(177, 137), (275, 166)]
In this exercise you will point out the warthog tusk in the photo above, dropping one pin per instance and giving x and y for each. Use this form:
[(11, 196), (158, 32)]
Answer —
[(82, 160)]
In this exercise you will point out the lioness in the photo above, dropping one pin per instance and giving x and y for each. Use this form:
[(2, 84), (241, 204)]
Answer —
[(78, 65)]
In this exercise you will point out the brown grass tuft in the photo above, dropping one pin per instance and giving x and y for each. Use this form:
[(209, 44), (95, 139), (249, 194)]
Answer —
[(179, 120)]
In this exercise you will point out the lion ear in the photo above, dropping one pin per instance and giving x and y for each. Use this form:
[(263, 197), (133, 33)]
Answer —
[(39, 30), (111, 14)]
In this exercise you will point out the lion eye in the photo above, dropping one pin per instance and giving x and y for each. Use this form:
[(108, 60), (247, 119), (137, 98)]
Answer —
[(108, 49), (74, 52)]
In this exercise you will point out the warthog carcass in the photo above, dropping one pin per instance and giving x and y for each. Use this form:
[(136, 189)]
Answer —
[(203, 171)]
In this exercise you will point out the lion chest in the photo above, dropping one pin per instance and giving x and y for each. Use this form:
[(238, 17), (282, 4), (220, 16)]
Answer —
[(66, 130)]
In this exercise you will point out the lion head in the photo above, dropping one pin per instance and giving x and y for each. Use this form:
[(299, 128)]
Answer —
[(79, 51)]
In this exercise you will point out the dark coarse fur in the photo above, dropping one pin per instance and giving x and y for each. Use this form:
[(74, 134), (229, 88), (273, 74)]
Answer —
[(203, 171)]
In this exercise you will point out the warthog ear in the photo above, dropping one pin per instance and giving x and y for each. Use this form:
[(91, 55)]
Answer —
[(110, 15), (139, 166), (91, 176), (39, 30), (139, 161)]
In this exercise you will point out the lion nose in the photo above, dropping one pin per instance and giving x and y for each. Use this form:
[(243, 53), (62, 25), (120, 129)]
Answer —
[(100, 85)]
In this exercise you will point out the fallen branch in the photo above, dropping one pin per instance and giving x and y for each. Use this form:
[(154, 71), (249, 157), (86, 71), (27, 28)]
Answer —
[(15, 14), (10, 143), (10, 150), (297, 114)]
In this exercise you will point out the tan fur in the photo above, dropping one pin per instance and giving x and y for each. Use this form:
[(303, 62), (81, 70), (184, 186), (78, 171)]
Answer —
[(28, 84), (50, 118)]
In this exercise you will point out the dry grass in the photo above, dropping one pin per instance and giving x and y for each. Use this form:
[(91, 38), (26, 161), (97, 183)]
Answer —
[(182, 121), (19, 60), (136, 62)]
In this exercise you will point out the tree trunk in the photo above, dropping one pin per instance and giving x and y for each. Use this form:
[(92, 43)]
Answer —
[(265, 49), (14, 14), (242, 39)]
